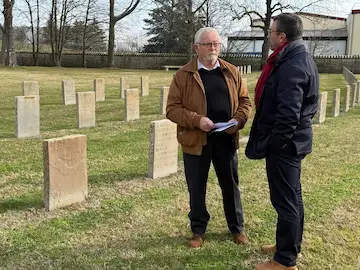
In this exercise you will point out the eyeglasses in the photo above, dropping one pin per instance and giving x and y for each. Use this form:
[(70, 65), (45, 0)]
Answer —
[(270, 31), (209, 45)]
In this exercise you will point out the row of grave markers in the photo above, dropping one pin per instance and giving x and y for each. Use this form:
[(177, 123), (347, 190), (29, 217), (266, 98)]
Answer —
[(30, 88), (27, 123), (352, 98), (244, 70), (65, 163), (27, 107)]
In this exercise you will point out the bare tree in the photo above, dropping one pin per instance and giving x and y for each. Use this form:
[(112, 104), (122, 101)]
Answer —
[(35, 30), (112, 22), (59, 24), (191, 19), (241, 10), (130, 43), (88, 8), (244, 10), (10, 60)]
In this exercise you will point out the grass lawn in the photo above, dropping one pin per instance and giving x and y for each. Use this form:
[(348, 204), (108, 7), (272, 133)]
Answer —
[(132, 222)]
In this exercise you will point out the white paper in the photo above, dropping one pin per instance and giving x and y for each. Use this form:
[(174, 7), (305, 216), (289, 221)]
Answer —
[(221, 126)]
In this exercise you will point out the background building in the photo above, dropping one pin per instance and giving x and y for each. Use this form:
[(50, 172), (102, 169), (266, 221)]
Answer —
[(323, 35)]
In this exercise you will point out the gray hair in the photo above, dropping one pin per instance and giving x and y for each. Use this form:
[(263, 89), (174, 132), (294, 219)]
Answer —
[(202, 31)]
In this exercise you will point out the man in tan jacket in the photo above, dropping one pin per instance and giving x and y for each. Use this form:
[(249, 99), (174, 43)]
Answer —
[(206, 91)]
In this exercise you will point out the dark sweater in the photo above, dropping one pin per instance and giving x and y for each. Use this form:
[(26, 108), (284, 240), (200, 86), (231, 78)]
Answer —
[(217, 95)]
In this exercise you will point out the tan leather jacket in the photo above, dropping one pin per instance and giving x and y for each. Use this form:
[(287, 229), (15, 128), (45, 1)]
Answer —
[(187, 104)]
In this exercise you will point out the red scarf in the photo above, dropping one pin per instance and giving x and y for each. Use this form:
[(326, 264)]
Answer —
[(266, 73)]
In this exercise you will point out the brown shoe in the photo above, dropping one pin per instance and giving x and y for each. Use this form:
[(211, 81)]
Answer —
[(273, 265), (196, 240), (240, 238), (271, 249)]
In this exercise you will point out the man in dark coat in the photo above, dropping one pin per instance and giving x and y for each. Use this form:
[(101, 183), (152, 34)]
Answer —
[(286, 97)]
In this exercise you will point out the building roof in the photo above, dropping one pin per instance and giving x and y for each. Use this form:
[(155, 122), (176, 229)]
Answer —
[(307, 14), (356, 9), (258, 34)]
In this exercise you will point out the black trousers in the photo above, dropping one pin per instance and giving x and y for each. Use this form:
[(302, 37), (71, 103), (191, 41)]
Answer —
[(220, 149), (283, 171)]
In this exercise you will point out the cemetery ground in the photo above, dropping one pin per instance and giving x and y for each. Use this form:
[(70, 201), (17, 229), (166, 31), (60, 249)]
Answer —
[(132, 222)]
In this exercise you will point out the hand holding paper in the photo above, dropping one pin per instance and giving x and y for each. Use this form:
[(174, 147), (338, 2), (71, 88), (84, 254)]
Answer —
[(228, 127)]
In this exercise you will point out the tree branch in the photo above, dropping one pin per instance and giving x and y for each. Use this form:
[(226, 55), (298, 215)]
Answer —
[(280, 7), (308, 5), (202, 4), (128, 10), (247, 12)]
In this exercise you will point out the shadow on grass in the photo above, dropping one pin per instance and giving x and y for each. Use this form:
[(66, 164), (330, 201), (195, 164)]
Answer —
[(113, 177), (23, 202), (8, 135)]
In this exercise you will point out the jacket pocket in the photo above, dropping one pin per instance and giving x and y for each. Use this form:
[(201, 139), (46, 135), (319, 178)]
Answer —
[(257, 146), (188, 137)]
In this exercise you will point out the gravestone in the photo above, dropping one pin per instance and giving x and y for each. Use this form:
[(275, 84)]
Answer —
[(358, 94), (163, 99), (321, 113), (27, 120), (249, 69), (85, 109), (354, 94), (99, 88), (30, 88), (336, 103), (124, 84), (68, 92), (163, 152), (65, 171), (347, 98), (132, 104), (144, 86)]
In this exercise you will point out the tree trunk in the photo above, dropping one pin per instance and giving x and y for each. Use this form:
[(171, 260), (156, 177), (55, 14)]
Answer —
[(52, 30), (84, 34), (37, 33), (3, 47), (111, 45), (32, 31), (265, 50), (190, 30), (266, 44), (11, 55)]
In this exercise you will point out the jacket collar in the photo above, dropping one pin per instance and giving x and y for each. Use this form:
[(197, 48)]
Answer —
[(192, 66), (200, 66), (292, 49)]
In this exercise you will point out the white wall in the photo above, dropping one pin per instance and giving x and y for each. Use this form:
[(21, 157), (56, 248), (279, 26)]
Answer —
[(245, 46), (316, 47), (326, 47)]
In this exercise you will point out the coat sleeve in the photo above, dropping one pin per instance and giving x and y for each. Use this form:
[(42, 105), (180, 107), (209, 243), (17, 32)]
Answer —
[(244, 109), (175, 110), (289, 94)]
